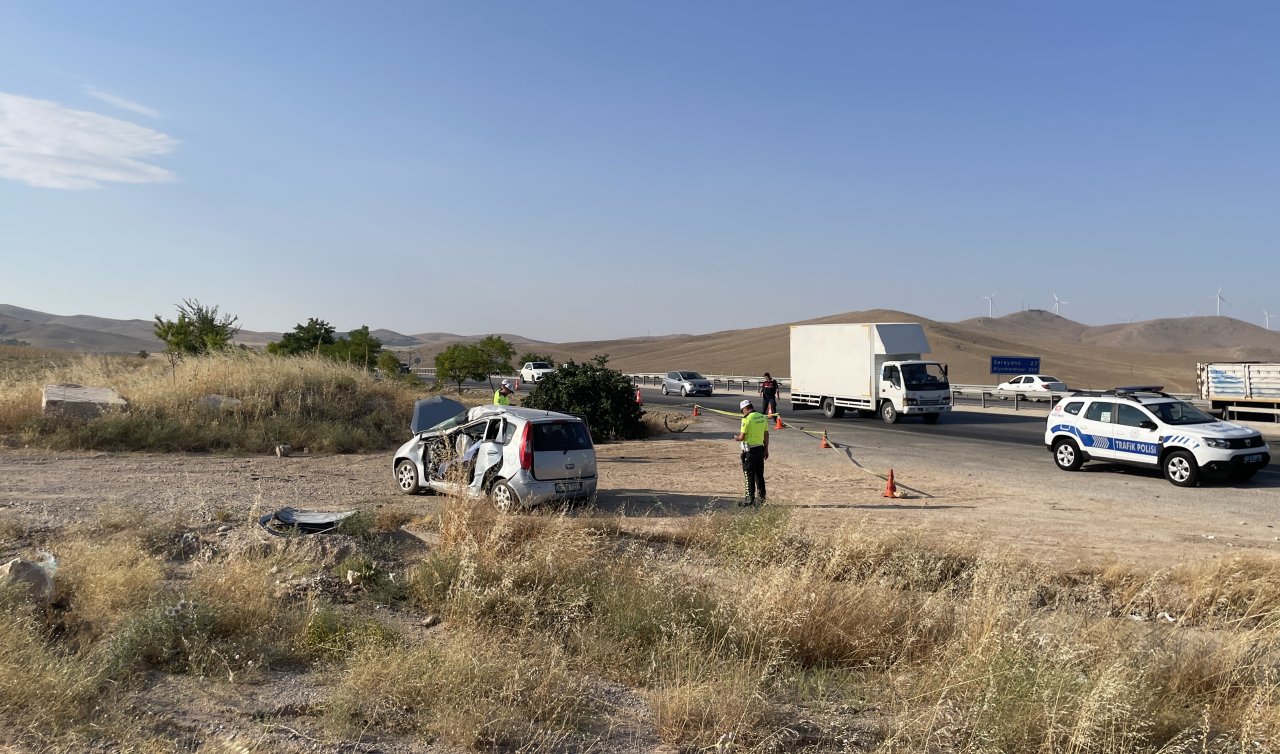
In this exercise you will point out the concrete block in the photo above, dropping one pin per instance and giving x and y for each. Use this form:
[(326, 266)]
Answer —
[(79, 402)]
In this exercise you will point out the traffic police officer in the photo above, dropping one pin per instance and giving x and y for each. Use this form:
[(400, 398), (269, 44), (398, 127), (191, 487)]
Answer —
[(754, 436), (501, 397)]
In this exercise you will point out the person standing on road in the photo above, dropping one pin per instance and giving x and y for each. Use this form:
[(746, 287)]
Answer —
[(754, 436), (502, 396), (769, 395)]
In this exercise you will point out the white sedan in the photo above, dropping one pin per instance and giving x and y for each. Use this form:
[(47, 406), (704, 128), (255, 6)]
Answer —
[(1033, 386), (532, 371)]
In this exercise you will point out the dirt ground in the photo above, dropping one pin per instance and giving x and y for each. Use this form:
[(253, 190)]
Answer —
[(968, 498)]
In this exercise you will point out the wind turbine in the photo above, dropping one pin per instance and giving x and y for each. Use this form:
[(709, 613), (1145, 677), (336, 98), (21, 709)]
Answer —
[(1220, 300), (1267, 315), (1057, 302), (991, 303)]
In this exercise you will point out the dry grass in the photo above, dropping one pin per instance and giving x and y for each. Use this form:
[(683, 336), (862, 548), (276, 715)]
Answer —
[(727, 625), (305, 402)]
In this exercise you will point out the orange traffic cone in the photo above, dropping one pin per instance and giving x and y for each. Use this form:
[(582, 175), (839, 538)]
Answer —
[(777, 424), (824, 444), (639, 397), (517, 383), (891, 489), (695, 409)]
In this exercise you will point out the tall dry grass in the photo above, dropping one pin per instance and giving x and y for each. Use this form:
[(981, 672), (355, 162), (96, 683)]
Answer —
[(302, 401)]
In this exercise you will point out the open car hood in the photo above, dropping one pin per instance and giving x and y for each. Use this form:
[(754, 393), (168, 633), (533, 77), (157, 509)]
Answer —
[(429, 412)]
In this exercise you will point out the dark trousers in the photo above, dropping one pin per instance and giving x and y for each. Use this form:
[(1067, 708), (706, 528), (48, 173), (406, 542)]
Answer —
[(753, 473), (770, 405)]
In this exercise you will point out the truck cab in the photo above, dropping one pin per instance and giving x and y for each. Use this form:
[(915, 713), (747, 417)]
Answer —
[(913, 388)]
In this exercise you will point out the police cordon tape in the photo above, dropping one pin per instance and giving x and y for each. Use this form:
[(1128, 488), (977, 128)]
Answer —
[(891, 488)]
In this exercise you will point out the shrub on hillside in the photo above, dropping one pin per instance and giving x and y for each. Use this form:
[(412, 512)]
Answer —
[(604, 396)]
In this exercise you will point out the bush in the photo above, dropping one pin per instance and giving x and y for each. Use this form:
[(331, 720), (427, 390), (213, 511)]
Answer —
[(604, 396)]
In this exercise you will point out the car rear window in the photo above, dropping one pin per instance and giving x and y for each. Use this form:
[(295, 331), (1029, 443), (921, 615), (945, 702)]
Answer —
[(1073, 407), (562, 435)]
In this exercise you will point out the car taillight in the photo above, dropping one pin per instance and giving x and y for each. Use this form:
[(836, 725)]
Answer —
[(1043, 386), (526, 449)]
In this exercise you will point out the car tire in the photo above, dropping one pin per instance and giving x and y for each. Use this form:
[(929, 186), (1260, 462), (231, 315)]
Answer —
[(684, 392), (830, 409), (1242, 475), (1067, 455), (504, 498), (1180, 468), (888, 413), (931, 418), (407, 477), (665, 391)]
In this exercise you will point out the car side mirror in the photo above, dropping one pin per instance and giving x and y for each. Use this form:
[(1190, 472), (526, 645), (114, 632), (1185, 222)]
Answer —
[(1147, 424)]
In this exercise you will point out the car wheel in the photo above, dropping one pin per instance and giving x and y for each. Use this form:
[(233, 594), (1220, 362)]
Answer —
[(1242, 475), (684, 392), (830, 409), (665, 391), (888, 413), (931, 418), (407, 477), (1181, 469), (1067, 455), (504, 498)]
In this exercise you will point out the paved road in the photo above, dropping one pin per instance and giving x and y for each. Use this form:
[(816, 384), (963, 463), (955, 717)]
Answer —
[(1018, 435)]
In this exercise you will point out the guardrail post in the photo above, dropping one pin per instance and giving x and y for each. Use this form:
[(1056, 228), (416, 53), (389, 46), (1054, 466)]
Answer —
[(1015, 400), (984, 398)]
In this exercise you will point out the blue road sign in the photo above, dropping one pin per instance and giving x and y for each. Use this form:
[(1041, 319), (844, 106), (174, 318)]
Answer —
[(1015, 364)]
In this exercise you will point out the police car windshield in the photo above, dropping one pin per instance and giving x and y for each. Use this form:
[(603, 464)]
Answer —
[(924, 377), (1179, 412)]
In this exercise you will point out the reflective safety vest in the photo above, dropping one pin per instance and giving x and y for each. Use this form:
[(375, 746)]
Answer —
[(754, 427), (499, 399)]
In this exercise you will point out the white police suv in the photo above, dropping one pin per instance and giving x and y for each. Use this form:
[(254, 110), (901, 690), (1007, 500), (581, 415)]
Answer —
[(1142, 426)]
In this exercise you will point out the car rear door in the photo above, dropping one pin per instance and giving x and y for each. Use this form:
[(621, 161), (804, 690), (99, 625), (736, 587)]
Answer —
[(490, 452), (562, 450), (1095, 429)]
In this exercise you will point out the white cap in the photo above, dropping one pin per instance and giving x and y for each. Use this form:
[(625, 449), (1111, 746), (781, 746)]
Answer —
[(745, 404), (506, 384)]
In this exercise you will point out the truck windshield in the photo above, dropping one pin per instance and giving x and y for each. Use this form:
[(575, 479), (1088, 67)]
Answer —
[(1179, 412), (924, 377)]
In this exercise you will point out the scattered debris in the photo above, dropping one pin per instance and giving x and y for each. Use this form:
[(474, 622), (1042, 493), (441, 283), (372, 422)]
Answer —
[(430, 620), (218, 402), (287, 521), (78, 402), (35, 576), (283, 450)]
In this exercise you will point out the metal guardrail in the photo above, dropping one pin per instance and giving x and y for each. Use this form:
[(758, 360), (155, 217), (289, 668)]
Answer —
[(723, 381)]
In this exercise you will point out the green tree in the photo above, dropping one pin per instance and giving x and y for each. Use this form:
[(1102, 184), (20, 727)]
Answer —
[(306, 338), (390, 364), (604, 396), (356, 347), (529, 356), (461, 362), (498, 353), (197, 330)]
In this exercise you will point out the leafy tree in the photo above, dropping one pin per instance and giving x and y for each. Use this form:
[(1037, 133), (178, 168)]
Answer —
[(356, 347), (197, 330), (529, 356), (461, 362), (389, 363), (498, 353), (604, 396), (306, 338)]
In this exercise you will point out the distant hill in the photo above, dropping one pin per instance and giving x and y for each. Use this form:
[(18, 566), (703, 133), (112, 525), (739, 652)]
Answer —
[(1162, 351)]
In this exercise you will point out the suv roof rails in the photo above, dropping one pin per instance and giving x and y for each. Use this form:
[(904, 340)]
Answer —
[(1130, 392)]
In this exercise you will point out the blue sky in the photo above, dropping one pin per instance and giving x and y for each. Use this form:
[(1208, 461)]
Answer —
[(604, 169)]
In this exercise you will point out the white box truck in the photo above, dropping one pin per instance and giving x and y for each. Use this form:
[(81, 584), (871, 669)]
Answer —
[(869, 367), (1241, 388)]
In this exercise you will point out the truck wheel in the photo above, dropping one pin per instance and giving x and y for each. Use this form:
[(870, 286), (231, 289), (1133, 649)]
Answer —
[(1067, 455), (931, 418), (830, 409), (1181, 469), (888, 413)]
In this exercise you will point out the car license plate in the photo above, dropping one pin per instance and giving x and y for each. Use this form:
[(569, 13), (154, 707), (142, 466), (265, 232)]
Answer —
[(568, 486), (1255, 458)]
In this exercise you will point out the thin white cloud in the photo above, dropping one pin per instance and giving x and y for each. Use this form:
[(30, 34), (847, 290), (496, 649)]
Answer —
[(45, 144), (121, 102)]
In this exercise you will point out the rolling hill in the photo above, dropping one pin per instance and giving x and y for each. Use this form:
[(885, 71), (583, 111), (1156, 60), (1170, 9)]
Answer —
[(1159, 351)]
